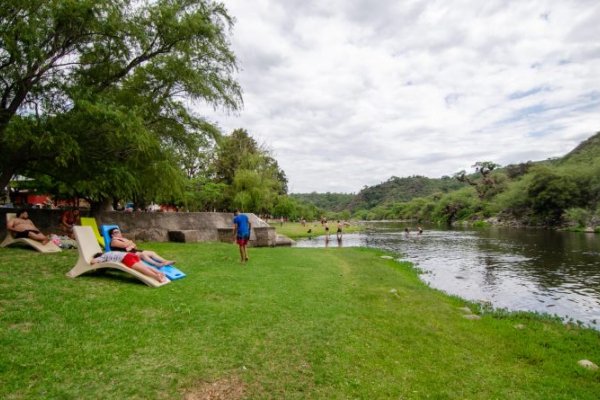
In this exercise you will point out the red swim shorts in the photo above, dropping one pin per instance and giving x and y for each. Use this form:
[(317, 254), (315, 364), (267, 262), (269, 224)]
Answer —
[(242, 241), (130, 259)]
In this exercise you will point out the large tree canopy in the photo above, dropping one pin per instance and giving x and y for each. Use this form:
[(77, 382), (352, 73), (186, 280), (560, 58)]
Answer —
[(98, 93), (251, 174)]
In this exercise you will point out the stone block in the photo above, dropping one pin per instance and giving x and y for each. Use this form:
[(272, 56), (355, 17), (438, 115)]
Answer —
[(225, 235)]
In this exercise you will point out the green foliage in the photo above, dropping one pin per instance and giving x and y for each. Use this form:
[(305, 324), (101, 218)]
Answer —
[(584, 154), (486, 183), (401, 189), (577, 216), (252, 178), (456, 206), (109, 78), (550, 193), (326, 201), (514, 200), (535, 193), (203, 195)]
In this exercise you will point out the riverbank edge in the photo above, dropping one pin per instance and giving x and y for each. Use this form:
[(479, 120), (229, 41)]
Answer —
[(491, 222), (478, 306), (484, 307)]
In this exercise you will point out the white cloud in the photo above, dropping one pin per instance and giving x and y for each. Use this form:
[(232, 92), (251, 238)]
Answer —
[(349, 93)]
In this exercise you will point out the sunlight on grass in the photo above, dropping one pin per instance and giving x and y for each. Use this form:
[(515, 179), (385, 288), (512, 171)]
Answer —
[(292, 323)]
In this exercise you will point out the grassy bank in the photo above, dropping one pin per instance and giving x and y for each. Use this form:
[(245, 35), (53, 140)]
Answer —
[(293, 323), (296, 230)]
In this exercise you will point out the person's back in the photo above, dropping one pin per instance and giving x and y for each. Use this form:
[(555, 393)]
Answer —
[(241, 233), (243, 225)]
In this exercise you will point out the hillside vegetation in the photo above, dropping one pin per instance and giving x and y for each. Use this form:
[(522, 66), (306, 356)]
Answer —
[(563, 192)]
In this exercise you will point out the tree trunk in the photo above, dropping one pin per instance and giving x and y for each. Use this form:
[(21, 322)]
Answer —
[(5, 177)]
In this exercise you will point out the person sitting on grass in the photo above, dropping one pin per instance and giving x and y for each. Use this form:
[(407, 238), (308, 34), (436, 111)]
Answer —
[(68, 219), (118, 242), (131, 260), (23, 227)]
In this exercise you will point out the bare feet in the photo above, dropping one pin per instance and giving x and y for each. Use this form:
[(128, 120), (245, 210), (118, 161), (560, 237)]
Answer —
[(161, 277), (167, 262)]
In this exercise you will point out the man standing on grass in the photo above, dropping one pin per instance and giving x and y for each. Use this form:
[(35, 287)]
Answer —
[(241, 233)]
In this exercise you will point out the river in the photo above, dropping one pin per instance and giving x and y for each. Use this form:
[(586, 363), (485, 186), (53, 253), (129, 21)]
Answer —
[(518, 269)]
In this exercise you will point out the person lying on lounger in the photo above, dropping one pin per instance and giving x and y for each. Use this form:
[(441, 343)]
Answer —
[(131, 260), (118, 242), (23, 227)]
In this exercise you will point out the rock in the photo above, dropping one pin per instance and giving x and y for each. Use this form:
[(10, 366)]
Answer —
[(587, 364), (283, 241), (387, 257), (519, 326), (472, 317), (466, 310), (393, 291)]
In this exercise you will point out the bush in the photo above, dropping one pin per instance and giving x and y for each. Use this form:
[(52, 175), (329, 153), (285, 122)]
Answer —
[(578, 217)]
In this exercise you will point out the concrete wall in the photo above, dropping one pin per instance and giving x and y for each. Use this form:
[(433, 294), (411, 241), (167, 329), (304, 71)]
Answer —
[(143, 226)]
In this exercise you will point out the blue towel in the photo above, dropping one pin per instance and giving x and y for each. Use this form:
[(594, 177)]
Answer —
[(170, 271)]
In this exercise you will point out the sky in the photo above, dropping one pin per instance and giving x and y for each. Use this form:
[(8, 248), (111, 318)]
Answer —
[(348, 93)]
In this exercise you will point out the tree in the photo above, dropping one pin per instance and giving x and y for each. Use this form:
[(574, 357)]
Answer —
[(204, 195), (487, 184), (252, 175), (118, 72), (234, 152), (551, 193)]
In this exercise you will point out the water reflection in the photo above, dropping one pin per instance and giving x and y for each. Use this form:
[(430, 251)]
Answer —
[(544, 271)]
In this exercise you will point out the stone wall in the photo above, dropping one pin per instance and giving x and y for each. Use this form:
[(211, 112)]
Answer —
[(145, 226)]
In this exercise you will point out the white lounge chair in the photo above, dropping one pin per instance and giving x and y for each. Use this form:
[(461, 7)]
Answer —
[(88, 246), (10, 240)]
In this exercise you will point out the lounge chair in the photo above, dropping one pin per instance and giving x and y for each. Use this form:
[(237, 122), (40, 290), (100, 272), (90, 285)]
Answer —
[(88, 246), (10, 240), (170, 271), (88, 221), (106, 236)]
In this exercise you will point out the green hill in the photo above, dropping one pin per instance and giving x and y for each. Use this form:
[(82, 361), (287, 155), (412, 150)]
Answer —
[(325, 201), (586, 152), (540, 191), (402, 189)]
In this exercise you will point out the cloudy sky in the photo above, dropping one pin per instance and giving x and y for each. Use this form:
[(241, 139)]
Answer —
[(348, 93)]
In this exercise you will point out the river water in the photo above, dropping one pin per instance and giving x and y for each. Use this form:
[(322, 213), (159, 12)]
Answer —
[(531, 270)]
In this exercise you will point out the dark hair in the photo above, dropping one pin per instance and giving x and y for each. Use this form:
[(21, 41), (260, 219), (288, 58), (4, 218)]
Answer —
[(96, 255), (111, 230), (20, 212)]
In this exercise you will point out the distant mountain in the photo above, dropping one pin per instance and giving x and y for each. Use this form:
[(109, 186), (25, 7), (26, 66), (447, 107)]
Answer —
[(402, 189), (398, 189), (393, 190)]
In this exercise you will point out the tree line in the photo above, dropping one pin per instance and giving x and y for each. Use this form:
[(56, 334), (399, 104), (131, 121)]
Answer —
[(98, 100), (561, 192)]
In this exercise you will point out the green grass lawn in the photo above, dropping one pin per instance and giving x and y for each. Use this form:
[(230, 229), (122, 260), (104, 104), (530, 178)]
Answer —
[(339, 323), (295, 230)]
